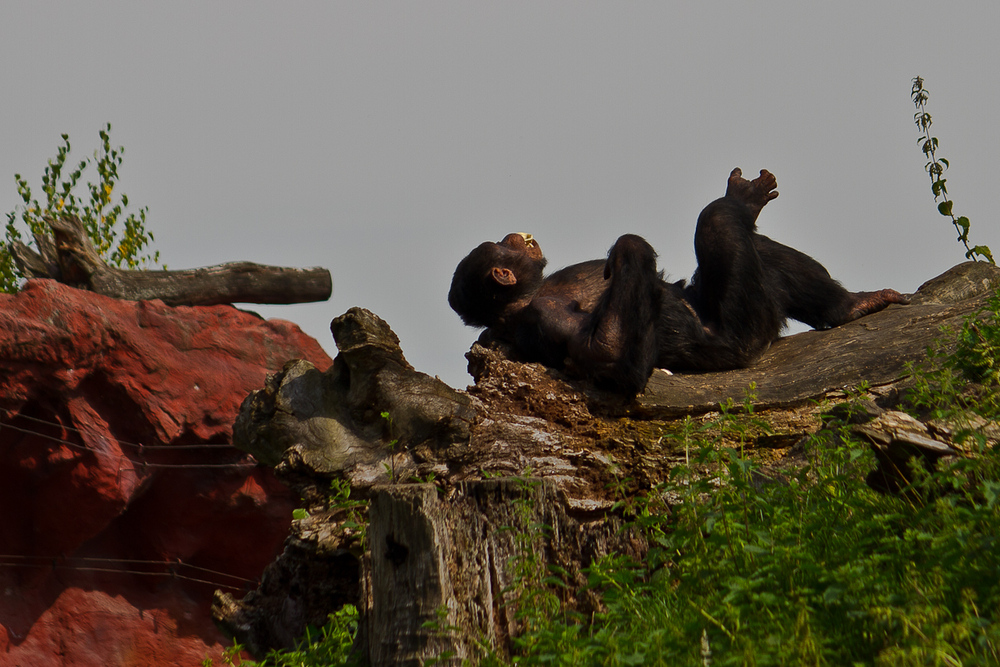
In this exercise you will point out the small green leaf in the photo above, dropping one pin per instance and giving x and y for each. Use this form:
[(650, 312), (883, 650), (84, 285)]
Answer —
[(982, 251), (944, 208)]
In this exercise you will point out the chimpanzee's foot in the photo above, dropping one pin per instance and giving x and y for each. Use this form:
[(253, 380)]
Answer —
[(866, 303), (756, 193)]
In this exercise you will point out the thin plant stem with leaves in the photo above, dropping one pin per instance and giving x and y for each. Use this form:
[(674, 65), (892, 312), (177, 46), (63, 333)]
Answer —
[(935, 167)]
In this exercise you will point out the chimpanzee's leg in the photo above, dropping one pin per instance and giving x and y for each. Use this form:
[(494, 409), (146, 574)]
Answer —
[(808, 294), (617, 346), (732, 289), (804, 287), (798, 284)]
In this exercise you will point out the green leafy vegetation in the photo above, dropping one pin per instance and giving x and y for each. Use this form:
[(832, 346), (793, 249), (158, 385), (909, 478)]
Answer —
[(809, 567), (118, 236), (814, 568), (355, 512), (963, 385), (935, 167), (390, 468), (329, 645)]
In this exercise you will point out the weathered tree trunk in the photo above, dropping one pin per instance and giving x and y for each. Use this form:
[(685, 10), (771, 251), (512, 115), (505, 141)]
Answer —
[(70, 257), (444, 572)]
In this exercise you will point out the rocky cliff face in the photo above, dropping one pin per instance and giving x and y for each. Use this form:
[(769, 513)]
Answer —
[(124, 504)]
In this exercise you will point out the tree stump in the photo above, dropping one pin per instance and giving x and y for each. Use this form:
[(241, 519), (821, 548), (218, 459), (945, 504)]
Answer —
[(450, 560)]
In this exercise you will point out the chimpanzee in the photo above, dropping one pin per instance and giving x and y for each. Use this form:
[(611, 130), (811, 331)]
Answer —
[(613, 321)]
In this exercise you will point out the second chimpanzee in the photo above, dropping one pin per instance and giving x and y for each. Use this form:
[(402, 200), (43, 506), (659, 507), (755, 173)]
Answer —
[(613, 321)]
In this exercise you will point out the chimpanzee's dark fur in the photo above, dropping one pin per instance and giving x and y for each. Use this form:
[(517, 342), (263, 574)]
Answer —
[(615, 320)]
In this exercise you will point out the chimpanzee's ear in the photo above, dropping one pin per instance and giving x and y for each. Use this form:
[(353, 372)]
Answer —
[(503, 276)]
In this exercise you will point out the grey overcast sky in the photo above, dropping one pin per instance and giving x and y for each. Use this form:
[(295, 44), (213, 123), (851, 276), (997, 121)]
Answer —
[(383, 140)]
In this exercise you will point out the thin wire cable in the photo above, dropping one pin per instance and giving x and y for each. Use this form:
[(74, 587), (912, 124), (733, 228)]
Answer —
[(109, 570), (243, 464), (137, 445), (132, 561), (178, 562), (53, 562)]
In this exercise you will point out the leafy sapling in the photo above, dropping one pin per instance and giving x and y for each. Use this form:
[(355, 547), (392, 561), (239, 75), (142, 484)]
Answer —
[(935, 167), (118, 237)]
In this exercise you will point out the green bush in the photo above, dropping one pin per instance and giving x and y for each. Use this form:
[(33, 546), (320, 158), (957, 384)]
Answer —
[(118, 237), (329, 645), (817, 568), (814, 569), (961, 383)]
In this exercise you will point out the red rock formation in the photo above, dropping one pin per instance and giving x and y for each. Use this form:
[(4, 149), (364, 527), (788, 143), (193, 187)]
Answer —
[(122, 504)]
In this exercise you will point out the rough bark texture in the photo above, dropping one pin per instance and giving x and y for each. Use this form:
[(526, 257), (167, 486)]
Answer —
[(70, 257), (450, 546), (432, 552)]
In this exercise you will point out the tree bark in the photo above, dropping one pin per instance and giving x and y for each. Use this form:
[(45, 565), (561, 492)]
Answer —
[(70, 257), (445, 572)]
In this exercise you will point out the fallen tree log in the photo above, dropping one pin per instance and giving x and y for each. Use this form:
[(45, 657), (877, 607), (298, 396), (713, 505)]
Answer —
[(803, 367), (69, 256)]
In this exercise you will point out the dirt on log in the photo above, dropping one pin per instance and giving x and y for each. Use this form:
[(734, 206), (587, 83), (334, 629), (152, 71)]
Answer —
[(564, 452), (69, 257)]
